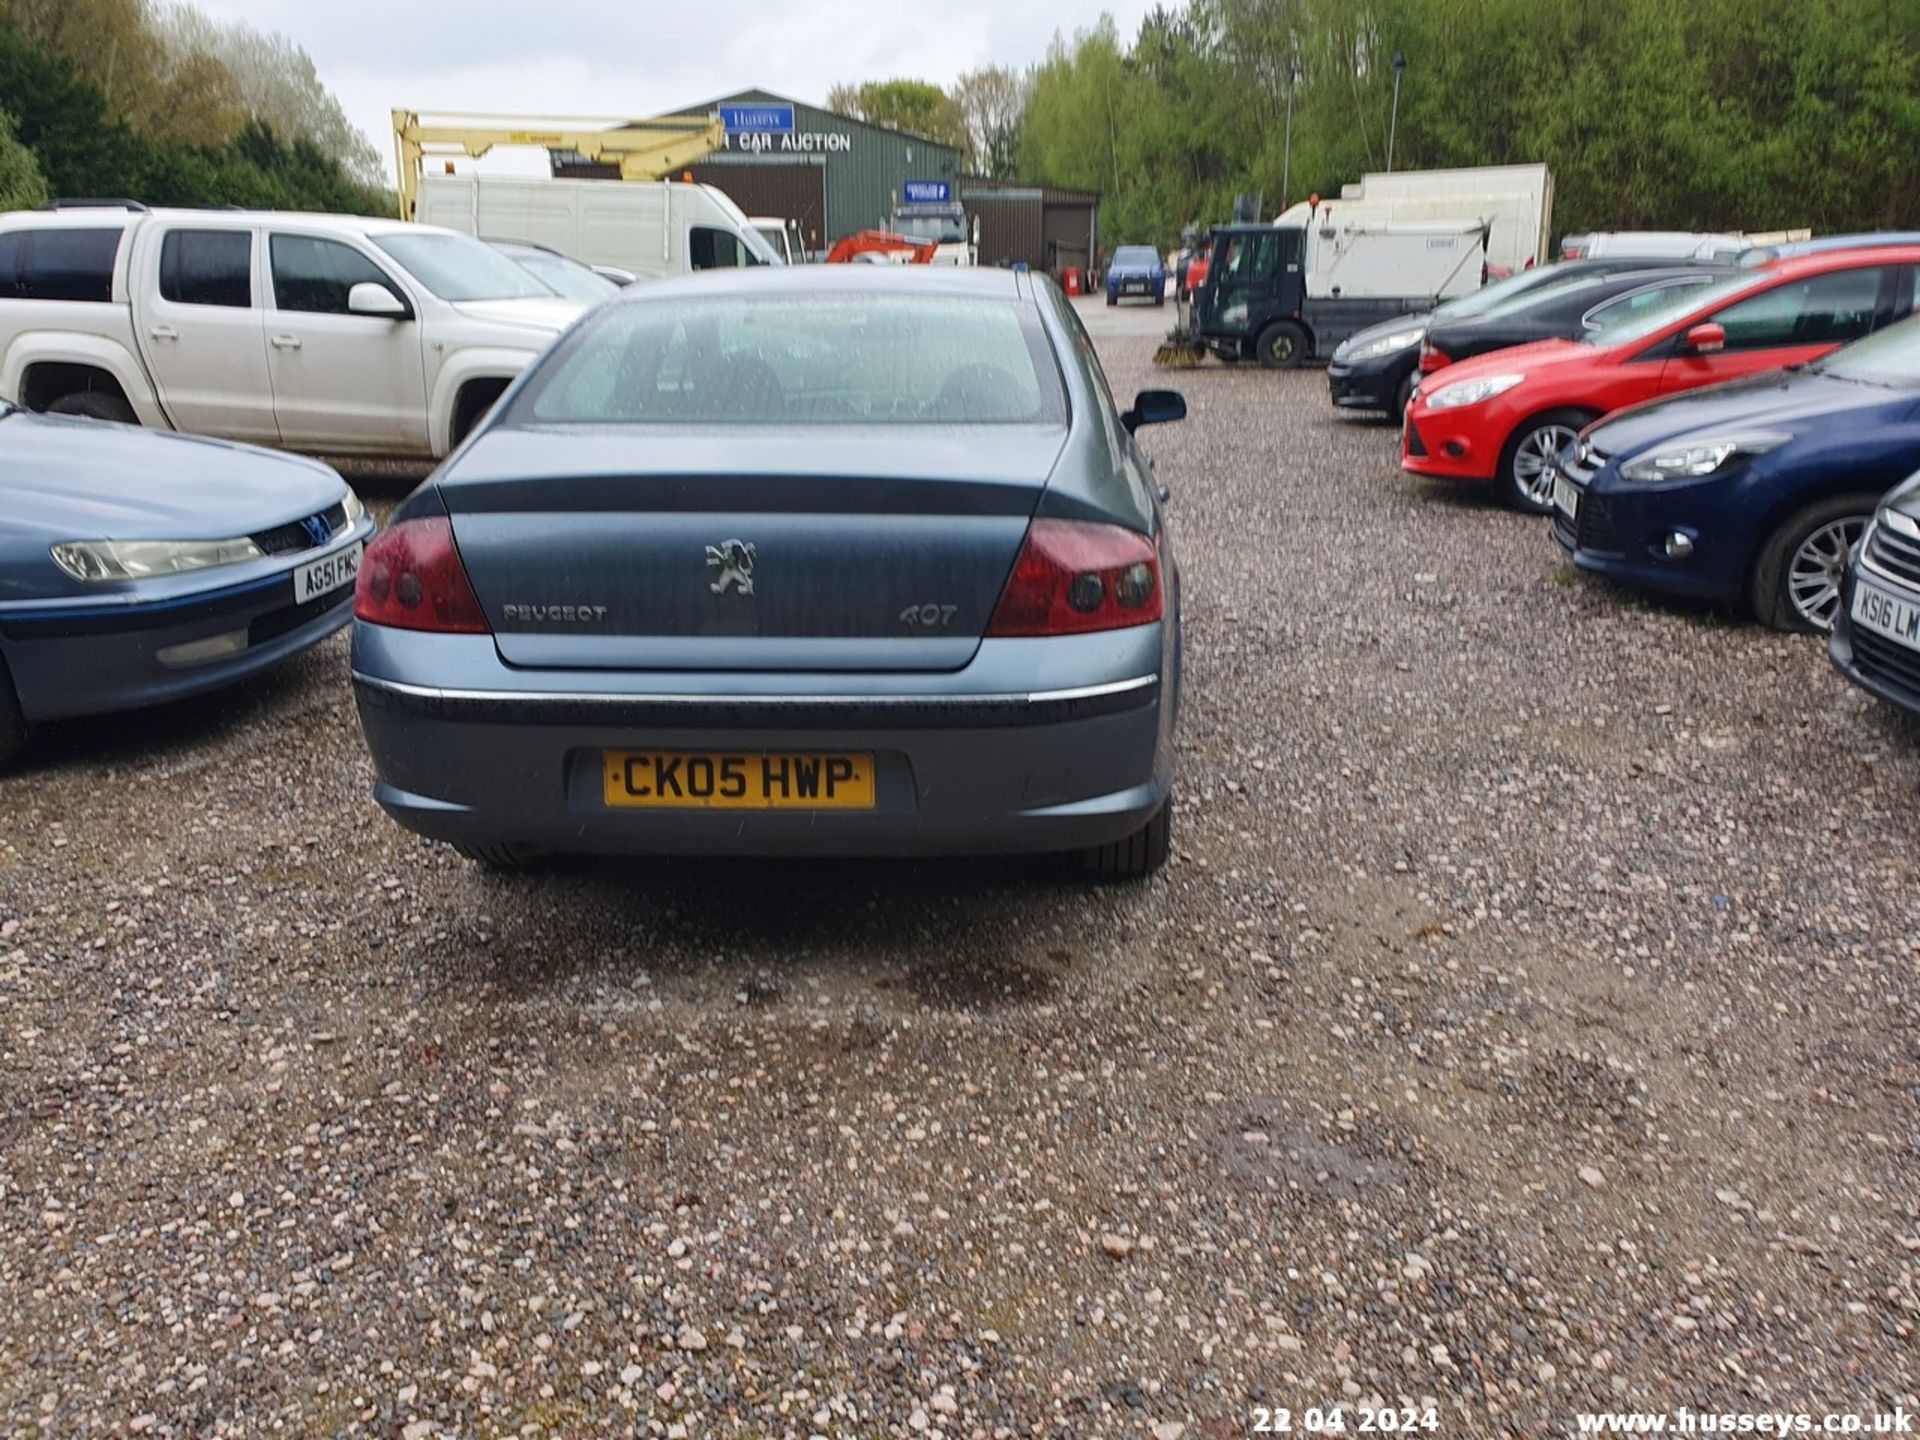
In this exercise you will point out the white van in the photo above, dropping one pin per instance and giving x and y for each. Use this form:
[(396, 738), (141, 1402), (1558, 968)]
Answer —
[(649, 227)]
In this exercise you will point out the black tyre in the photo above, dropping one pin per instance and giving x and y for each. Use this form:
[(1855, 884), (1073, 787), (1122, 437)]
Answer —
[(1523, 480), (1137, 856), (501, 856), (13, 725), (1112, 299), (1282, 346), (1403, 397), (1161, 298), (1796, 579), (95, 405)]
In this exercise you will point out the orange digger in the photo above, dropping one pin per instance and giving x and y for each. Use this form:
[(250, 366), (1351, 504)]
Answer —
[(882, 247)]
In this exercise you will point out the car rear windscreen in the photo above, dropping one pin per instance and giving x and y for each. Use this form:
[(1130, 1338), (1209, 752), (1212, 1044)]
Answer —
[(759, 359)]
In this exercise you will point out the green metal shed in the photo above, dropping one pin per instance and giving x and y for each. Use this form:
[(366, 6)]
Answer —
[(863, 168)]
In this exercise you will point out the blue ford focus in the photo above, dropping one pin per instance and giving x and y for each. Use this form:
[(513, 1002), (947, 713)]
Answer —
[(827, 561), (1137, 270), (1751, 493), (138, 567)]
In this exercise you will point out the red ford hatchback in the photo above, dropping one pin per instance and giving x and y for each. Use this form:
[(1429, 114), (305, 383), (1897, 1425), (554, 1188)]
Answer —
[(1502, 418)]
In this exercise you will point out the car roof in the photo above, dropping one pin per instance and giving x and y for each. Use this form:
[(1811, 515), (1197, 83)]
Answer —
[(976, 282), (1871, 240), (1599, 276), (1819, 263), (119, 217)]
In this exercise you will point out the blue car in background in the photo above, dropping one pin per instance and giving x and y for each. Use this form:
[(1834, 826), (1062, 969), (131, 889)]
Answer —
[(138, 567), (1137, 270), (1749, 493)]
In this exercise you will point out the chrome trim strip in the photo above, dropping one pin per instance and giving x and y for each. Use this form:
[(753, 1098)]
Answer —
[(1894, 520), (595, 697), (1886, 577)]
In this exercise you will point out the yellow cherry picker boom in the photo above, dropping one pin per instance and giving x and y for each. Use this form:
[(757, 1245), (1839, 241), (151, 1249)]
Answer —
[(642, 149)]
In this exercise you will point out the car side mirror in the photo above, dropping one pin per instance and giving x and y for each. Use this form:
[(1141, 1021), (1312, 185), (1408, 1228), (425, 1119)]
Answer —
[(367, 298), (1706, 340), (1155, 407)]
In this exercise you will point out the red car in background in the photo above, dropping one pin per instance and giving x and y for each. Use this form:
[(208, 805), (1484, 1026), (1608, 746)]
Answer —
[(1503, 418)]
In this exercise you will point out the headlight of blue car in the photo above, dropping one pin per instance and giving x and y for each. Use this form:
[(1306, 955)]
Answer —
[(93, 560), (1698, 458)]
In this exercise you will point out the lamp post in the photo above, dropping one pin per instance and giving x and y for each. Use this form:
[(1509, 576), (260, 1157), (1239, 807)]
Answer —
[(1286, 162), (1393, 127)]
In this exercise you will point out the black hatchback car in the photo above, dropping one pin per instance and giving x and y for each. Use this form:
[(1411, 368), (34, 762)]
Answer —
[(1570, 308)]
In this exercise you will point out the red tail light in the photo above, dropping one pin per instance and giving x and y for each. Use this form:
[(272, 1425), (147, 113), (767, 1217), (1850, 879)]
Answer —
[(1432, 360), (1074, 576), (411, 578)]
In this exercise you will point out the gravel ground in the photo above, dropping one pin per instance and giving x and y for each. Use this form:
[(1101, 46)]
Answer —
[(1529, 1023)]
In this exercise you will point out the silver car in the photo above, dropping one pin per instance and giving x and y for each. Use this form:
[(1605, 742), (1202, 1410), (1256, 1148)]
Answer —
[(826, 561)]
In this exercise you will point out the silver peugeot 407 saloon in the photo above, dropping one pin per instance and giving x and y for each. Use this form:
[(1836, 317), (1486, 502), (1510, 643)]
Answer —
[(826, 561)]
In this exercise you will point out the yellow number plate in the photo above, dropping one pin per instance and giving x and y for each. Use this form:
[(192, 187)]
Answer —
[(753, 780)]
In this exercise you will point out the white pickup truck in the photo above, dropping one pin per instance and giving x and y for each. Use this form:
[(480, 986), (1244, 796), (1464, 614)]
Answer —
[(325, 333)]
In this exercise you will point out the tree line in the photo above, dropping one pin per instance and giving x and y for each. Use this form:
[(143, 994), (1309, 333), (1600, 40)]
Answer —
[(1654, 114), (119, 98)]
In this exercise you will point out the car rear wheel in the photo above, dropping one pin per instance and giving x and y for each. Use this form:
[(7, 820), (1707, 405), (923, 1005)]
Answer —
[(1282, 346), (1112, 299), (1796, 580), (1138, 855), (95, 405), (1525, 480), (13, 725)]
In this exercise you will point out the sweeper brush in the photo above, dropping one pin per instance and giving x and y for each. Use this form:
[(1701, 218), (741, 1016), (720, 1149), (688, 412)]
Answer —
[(1182, 349)]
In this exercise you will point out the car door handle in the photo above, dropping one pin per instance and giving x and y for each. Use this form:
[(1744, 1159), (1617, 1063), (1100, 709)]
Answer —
[(284, 342), (163, 332)]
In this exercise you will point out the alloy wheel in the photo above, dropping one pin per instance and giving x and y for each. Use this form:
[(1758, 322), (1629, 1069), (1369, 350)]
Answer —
[(1536, 452), (1813, 576)]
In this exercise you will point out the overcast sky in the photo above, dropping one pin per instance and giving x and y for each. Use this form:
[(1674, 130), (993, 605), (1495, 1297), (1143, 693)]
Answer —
[(572, 57)]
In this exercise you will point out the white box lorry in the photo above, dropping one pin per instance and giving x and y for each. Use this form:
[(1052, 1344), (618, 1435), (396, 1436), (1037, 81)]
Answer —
[(1514, 202), (649, 227)]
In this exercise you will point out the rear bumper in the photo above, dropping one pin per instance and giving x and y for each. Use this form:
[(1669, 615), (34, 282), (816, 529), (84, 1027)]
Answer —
[(957, 772)]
